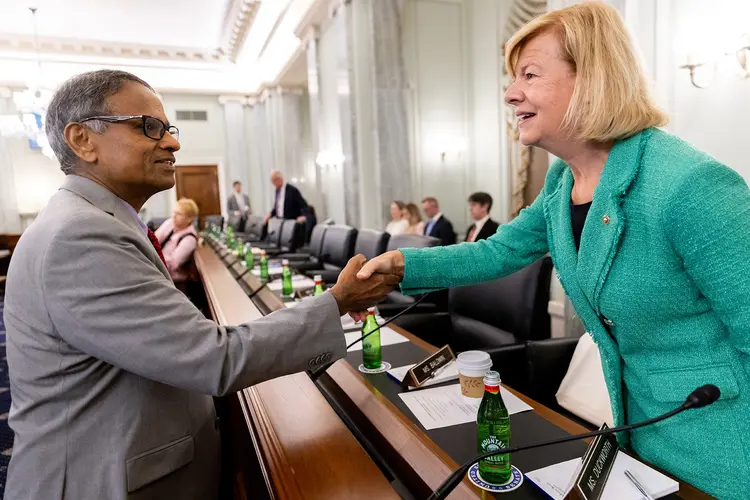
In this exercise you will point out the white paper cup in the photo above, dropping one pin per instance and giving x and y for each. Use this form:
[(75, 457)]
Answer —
[(472, 367)]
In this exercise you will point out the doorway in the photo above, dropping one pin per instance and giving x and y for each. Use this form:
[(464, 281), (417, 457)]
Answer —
[(201, 184)]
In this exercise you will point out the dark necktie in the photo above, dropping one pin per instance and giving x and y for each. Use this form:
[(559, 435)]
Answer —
[(157, 246)]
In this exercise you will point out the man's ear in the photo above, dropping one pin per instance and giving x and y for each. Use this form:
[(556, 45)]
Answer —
[(80, 140)]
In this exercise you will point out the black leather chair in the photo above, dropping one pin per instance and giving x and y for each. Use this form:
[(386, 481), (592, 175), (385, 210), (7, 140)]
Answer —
[(214, 220), (411, 241), (236, 223), (508, 310), (273, 237), (309, 259), (371, 243), (255, 226), (154, 223), (291, 237), (338, 248)]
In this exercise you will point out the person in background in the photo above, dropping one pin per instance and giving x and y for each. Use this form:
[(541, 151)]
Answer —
[(311, 220), (288, 201), (398, 223), (648, 234), (480, 205), (238, 205), (437, 225), (178, 239), (411, 213)]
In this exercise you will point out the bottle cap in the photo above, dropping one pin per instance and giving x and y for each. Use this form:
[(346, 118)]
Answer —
[(263, 252), (492, 378), (318, 278), (284, 262), (371, 311)]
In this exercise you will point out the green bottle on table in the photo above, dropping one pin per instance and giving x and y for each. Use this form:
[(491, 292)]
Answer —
[(286, 279), (263, 266), (240, 248), (249, 256), (493, 432), (318, 285), (372, 355)]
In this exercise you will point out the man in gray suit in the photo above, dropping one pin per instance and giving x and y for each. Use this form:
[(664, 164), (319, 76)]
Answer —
[(238, 205), (112, 368)]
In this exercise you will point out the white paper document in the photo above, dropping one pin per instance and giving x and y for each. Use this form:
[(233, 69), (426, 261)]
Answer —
[(347, 322), (448, 372), (299, 282), (445, 406), (554, 479), (387, 337)]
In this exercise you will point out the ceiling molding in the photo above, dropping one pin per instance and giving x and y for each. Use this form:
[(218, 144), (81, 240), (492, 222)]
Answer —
[(238, 19), (94, 48), (318, 13)]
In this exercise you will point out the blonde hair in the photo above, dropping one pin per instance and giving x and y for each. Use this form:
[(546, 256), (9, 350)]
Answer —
[(188, 206), (414, 216), (611, 98)]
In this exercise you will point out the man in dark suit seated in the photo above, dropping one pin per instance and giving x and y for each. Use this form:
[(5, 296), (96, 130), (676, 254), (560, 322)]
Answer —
[(480, 205), (437, 225), (288, 201)]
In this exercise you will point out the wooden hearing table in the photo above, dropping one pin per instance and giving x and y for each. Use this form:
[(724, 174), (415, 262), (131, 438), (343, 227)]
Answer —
[(316, 428)]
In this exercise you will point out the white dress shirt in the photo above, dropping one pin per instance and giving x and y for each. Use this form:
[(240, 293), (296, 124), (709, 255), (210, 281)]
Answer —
[(397, 227), (432, 221), (478, 225), (240, 201), (280, 203)]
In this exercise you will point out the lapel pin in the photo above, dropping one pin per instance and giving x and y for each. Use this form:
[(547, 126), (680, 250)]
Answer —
[(605, 219)]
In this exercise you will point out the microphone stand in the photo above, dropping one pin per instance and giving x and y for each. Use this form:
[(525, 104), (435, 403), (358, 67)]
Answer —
[(700, 397)]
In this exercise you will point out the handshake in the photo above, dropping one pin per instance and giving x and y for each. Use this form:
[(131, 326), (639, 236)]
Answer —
[(363, 284)]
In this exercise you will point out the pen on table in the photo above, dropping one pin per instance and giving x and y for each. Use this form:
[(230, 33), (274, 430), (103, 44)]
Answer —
[(638, 485)]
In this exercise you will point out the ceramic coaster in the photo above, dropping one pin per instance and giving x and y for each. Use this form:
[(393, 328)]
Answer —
[(384, 367), (513, 483)]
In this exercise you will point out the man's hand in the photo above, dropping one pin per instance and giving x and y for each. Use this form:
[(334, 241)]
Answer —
[(355, 294), (301, 218), (268, 217)]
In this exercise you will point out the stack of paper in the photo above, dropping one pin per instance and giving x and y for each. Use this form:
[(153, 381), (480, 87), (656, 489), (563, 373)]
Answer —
[(445, 406), (271, 270), (299, 282), (387, 337), (348, 323), (555, 479)]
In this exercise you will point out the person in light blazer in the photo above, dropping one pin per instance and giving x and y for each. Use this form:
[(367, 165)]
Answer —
[(649, 237)]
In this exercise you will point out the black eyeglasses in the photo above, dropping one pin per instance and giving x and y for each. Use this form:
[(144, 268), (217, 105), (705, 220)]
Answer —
[(153, 128)]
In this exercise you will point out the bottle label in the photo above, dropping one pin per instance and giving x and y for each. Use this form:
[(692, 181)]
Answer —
[(493, 443), (494, 389)]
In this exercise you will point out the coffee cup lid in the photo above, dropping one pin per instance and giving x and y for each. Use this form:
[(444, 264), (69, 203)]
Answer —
[(474, 359)]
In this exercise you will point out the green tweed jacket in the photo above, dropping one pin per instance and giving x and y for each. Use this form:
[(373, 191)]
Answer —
[(662, 283)]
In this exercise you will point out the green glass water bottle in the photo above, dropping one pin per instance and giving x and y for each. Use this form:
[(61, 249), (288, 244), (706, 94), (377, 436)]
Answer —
[(249, 256), (240, 248), (318, 285), (263, 266), (493, 432), (372, 354), (286, 279)]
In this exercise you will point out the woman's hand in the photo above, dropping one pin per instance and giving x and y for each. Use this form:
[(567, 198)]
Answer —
[(388, 263)]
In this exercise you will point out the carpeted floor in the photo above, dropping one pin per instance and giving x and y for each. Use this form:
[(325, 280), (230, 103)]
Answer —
[(6, 435)]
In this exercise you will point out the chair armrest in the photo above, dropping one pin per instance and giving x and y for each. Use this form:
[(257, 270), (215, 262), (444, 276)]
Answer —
[(510, 362)]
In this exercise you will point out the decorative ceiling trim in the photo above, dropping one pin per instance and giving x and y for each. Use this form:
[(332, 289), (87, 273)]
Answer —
[(238, 19), (95, 48)]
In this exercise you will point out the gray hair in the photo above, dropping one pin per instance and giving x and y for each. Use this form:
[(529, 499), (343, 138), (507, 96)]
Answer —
[(82, 96)]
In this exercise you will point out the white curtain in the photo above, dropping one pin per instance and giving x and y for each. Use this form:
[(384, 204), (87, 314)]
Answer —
[(237, 162), (10, 222)]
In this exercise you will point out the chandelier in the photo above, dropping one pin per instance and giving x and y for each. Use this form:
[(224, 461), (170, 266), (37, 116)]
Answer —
[(31, 107)]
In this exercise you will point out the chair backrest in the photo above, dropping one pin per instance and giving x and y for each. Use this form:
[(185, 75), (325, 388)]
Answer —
[(316, 240), (274, 231), (371, 243), (254, 226), (292, 235), (155, 222), (411, 241), (214, 220), (235, 221), (338, 245), (516, 304)]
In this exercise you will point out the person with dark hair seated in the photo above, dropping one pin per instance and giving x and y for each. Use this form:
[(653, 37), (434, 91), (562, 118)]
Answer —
[(480, 205)]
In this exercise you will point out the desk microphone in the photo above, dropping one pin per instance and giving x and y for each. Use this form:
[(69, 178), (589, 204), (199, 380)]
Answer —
[(702, 396), (316, 374)]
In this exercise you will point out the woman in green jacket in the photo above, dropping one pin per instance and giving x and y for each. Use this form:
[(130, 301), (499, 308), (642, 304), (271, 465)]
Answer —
[(650, 237)]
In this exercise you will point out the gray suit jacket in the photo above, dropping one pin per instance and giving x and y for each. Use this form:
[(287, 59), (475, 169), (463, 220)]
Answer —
[(112, 368), (233, 206)]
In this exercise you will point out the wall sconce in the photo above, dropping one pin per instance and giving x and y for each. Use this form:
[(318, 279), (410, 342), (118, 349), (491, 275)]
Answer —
[(703, 72), (743, 55), (455, 146), (329, 160)]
